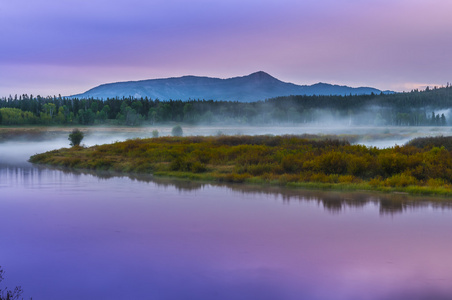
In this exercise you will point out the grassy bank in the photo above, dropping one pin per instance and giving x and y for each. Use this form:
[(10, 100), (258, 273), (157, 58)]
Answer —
[(278, 160)]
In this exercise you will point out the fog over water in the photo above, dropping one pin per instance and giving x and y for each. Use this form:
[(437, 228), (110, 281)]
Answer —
[(19, 150), (382, 137)]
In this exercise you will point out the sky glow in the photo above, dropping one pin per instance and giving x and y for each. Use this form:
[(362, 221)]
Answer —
[(67, 47)]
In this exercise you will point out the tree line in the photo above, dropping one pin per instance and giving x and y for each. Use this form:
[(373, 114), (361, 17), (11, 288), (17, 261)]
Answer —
[(416, 108)]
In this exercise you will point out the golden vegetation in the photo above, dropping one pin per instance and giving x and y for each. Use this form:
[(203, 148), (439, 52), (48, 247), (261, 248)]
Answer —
[(284, 160)]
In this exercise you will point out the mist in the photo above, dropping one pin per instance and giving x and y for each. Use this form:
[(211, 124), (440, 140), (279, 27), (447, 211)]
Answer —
[(17, 151)]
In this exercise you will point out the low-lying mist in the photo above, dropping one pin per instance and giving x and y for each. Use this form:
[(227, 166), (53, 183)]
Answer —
[(17, 151)]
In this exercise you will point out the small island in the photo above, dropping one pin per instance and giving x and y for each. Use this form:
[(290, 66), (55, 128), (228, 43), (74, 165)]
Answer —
[(422, 166)]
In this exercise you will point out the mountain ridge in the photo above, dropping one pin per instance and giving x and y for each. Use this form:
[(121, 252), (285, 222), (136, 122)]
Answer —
[(249, 88)]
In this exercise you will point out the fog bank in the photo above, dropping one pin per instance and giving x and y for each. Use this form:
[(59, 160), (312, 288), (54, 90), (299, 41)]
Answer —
[(19, 150)]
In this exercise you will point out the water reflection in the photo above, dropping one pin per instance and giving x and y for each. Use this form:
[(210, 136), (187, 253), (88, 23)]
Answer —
[(331, 201), (67, 235)]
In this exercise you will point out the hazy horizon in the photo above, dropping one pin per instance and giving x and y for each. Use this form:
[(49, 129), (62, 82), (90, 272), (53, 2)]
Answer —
[(69, 47)]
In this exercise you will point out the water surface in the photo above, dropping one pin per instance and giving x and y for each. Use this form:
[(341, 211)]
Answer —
[(79, 236)]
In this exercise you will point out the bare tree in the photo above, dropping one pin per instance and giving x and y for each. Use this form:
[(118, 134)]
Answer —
[(6, 294)]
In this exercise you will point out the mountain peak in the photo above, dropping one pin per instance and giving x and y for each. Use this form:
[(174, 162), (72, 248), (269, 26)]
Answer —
[(261, 75), (253, 87)]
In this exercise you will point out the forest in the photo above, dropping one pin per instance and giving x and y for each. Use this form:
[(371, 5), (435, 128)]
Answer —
[(430, 107)]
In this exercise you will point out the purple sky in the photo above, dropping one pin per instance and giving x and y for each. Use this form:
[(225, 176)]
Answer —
[(65, 47)]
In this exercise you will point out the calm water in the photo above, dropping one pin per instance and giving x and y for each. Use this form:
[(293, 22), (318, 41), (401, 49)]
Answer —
[(80, 236)]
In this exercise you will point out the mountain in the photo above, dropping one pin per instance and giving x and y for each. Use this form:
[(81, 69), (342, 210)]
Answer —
[(253, 87)]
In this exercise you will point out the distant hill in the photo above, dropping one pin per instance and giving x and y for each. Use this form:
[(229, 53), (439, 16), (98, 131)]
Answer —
[(253, 87)]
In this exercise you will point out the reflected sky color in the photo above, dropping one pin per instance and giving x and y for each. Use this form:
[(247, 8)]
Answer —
[(67, 236), (70, 46)]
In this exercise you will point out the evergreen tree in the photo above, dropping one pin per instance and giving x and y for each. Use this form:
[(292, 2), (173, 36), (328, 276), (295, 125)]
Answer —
[(443, 120)]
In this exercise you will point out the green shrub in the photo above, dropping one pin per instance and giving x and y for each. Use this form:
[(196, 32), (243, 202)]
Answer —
[(75, 137), (177, 131)]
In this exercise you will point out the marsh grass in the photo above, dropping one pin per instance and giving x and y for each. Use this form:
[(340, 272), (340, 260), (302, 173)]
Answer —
[(294, 161)]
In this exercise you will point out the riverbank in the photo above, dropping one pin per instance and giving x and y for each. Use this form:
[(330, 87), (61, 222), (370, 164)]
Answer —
[(294, 161)]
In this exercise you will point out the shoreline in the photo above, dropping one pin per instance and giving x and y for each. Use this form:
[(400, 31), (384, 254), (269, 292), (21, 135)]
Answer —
[(288, 191), (288, 161)]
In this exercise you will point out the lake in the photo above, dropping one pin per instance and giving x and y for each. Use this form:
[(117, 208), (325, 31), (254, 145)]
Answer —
[(68, 235)]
